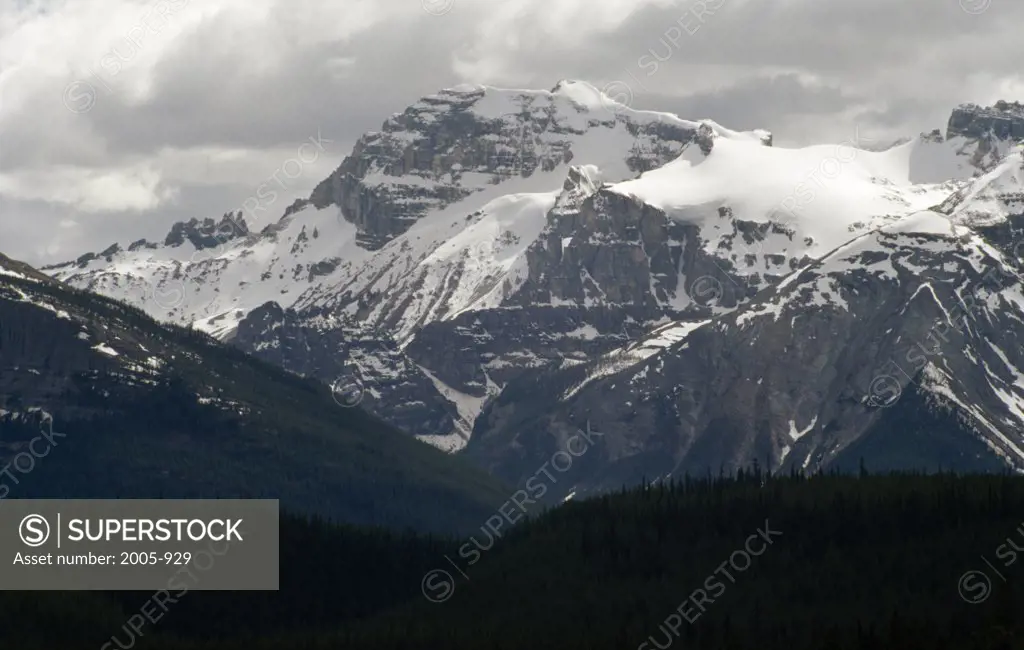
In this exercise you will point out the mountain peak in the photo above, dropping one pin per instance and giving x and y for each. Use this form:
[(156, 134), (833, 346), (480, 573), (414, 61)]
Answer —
[(207, 233), (1004, 120), (14, 268), (483, 233), (585, 94)]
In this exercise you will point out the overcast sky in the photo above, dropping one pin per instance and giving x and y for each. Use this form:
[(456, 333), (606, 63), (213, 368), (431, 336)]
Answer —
[(119, 117)]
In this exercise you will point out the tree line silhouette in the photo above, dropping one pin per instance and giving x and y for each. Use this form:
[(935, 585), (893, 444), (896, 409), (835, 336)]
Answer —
[(862, 562)]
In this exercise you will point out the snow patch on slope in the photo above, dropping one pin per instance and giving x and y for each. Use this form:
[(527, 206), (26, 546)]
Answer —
[(823, 196), (469, 408)]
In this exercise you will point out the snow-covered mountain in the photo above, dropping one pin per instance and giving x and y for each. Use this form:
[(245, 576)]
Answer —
[(486, 241), (100, 383), (904, 346)]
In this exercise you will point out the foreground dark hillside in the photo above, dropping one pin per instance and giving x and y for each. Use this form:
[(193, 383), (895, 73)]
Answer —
[(853, 563), (137, 409)]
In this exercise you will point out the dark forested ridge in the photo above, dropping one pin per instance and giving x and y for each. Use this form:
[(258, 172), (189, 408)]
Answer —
[(900, 561), (170, 412)]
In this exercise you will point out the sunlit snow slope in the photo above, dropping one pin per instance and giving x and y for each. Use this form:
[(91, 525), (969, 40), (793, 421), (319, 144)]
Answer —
[(485, 233)]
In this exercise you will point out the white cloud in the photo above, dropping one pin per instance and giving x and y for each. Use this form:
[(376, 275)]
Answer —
[(192, 103), (90, 190)]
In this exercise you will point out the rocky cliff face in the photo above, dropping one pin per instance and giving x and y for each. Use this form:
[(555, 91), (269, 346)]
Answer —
[(450, 145), (99, 401), (484, 280), (493, 264), (365, 369), (1004, 120), (990, 127), (903, 348)]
